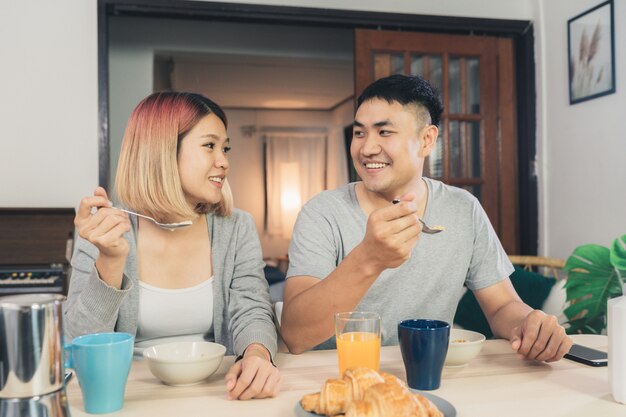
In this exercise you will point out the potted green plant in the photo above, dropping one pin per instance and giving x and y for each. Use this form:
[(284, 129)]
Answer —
[(595, 274)]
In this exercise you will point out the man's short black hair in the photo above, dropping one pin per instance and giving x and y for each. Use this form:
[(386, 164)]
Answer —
[(406, 90)]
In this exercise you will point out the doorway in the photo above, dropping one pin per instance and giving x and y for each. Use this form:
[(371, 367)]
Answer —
[(520, 33), (273, 87)]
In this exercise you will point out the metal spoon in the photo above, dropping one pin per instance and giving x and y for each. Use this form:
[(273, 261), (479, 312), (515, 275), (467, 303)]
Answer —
[(425, 228), (169, 226)]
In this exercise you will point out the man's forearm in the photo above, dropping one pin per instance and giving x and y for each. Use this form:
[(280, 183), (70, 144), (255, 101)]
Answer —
[(308, 317)]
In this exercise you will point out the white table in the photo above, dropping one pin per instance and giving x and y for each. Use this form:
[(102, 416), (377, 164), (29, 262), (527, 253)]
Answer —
[(496, 384)]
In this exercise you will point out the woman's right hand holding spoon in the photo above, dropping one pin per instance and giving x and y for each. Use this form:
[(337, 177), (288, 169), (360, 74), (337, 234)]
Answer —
[(105, 228)]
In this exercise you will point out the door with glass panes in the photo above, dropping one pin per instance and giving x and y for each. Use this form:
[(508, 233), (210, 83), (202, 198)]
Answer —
[(476, 145)]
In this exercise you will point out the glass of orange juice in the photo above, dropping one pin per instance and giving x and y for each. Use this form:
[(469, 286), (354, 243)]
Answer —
[(358, 340)]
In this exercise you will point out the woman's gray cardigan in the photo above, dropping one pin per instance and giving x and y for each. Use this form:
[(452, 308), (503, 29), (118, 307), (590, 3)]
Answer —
[(242, 312)]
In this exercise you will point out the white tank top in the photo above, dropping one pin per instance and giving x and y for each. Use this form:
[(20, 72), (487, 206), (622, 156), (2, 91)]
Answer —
[(173, 314)]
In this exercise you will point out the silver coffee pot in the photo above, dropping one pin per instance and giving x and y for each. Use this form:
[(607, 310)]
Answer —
[(31, 356)]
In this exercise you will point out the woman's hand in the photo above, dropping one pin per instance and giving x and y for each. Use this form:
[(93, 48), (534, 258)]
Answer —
[(104, 228), (254, 376)]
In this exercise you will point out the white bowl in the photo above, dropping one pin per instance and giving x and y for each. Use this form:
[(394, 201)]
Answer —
[(464, 346), (184, 363)]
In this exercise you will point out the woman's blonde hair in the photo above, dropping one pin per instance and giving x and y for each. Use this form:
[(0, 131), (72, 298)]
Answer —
[(147, 178)]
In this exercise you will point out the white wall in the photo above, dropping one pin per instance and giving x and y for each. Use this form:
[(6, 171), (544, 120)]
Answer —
[(48, 102), (582, 147)]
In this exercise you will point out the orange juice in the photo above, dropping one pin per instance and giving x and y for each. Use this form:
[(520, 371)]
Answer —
[(358, 349)]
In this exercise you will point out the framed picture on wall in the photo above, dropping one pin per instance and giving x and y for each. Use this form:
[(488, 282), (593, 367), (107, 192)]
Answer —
[(591, 50)]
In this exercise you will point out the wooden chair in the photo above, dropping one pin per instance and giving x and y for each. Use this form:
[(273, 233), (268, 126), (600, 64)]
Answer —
[(552, 267)]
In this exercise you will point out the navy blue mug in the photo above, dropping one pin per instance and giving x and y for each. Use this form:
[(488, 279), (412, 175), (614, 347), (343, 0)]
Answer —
[(424, 345)]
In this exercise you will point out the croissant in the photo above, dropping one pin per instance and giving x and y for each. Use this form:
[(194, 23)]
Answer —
[(337, 394), (363, 392), (386, 399), (431, 409)]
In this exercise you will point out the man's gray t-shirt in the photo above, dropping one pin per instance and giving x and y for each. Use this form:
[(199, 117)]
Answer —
[(428, 285)]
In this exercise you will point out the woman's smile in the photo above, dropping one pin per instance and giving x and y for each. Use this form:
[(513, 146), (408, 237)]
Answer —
[(217, 181)]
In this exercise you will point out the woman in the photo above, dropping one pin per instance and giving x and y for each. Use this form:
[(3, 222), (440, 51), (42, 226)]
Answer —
[(130, 275)]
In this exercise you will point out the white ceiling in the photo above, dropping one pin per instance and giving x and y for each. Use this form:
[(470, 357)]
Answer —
[(263, 82)]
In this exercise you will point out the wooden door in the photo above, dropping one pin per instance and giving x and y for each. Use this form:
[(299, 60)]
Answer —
[(474, 74)]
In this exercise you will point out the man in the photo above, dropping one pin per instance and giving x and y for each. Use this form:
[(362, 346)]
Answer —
[(352, 249)]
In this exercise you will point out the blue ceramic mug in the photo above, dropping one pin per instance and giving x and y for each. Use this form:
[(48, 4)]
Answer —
[(424, 345), (101, 362)]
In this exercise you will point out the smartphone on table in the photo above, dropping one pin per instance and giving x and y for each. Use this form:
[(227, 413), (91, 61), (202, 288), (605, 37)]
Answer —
[(588, 356)]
